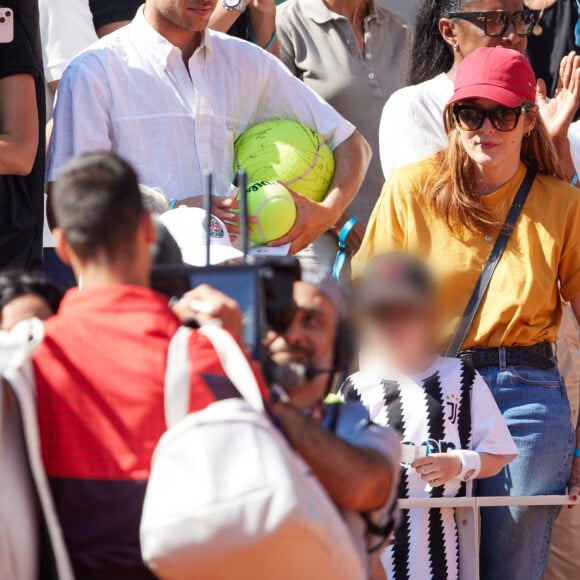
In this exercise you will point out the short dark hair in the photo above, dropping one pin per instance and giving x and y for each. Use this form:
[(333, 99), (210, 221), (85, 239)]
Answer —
[(17, 283), (97, 203)]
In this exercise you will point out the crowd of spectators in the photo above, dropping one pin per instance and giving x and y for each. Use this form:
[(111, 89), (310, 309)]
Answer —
[(453, 127)]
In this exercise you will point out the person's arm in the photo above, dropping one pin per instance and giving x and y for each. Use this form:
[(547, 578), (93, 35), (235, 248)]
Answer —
[(574, 481), (262, 15), (205, 304), (559, 111), (440, 468), (357, 479), (19, 130), (352, 158), (82, 119)]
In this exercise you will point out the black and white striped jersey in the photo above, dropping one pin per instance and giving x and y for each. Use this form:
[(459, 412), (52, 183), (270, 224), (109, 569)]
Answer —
[(447, 407)]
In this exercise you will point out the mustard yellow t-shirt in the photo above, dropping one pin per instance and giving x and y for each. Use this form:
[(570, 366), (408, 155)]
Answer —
[(522, 304)]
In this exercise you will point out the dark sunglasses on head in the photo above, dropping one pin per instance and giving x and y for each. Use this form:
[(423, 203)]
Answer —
[(472, 117), (495, 23)]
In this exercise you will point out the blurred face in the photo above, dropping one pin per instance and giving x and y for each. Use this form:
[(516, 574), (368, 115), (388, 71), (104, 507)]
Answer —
[(487, 146), (23, 308), (307, 343), (187, 15), (397, 336), (469, 35)]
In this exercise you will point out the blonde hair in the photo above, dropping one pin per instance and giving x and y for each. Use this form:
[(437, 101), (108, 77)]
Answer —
[(452, 192)]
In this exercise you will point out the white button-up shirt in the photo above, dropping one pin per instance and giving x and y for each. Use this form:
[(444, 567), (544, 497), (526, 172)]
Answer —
[(131, 93)]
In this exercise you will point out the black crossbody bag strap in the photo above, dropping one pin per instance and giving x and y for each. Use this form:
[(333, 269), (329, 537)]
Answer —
[(492, 262)]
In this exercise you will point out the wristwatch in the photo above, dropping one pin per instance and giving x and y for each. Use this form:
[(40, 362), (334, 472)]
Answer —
[(239, 5)]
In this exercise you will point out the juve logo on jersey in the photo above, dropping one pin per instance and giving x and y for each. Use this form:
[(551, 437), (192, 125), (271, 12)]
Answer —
[(433, 410)]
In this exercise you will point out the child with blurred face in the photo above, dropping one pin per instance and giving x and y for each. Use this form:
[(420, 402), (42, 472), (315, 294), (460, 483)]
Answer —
[(451, 428)]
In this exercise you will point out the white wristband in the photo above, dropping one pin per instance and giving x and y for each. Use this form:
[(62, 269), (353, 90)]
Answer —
[(470, 464)]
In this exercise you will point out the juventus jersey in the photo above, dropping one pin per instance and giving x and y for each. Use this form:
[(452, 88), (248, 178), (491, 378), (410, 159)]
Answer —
[(447, 407)]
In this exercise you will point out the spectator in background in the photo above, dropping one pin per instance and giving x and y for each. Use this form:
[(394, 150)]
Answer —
[(412, 122), (26, 295), (110, 15), (253, 20), (354, 54), (186, 129), (554, 37), (22, 114), (66, 28), (303, 362), (448, 210)]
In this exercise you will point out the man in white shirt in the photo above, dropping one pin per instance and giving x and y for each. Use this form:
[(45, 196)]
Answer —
[(171, 97)]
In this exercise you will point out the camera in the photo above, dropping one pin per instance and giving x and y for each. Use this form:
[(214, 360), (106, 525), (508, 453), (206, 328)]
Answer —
[(262, 287)]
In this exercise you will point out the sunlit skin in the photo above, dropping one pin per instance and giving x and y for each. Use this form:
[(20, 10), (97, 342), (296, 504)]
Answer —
[(308, 340), (23, 308), (496, 154), (182, 22), (466, 36)]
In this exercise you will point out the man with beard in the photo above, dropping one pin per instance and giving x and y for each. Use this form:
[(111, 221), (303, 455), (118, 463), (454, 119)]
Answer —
[(301, 367)]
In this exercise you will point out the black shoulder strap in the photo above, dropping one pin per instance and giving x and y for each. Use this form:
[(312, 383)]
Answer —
[(492, 262)]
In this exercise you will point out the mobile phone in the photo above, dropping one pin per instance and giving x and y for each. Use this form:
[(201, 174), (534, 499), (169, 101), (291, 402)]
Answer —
[(6, 25)]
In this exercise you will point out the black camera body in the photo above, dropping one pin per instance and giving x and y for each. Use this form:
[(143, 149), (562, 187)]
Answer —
[(262, 287)]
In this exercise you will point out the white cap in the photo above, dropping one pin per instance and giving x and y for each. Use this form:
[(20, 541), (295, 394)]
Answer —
[(188, 226)]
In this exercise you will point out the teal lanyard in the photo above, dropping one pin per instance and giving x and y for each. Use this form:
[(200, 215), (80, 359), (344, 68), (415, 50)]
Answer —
[(342, 255)]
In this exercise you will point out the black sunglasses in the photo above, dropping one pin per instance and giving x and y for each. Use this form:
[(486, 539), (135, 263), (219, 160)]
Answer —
[(472, 117), (495, 23)]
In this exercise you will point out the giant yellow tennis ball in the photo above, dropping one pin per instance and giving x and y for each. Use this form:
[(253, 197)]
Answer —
[(289, 152), (275, 209)]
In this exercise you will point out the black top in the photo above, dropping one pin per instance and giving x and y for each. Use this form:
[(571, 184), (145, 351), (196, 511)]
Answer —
[(109, 11), (239, 28), (22, 198), (546, 50)]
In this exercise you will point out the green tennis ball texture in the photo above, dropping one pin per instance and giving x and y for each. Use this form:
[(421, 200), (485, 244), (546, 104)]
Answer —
[(286, 151), (275, 209)]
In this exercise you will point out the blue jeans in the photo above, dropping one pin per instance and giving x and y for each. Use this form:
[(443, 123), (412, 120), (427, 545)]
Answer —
[(515, 541)]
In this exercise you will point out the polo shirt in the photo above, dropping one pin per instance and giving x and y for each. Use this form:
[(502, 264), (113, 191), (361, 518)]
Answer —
[(132, 94), (522, 306), (100, 381), (319, 47)]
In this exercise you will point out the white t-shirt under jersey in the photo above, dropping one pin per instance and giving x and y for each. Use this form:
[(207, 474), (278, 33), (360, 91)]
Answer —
[(412, 126), (444, 408)]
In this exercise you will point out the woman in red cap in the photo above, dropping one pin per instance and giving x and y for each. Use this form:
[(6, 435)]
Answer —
[(451, 210)]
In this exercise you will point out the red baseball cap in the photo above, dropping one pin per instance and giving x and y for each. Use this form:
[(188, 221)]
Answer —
[(499, 74)]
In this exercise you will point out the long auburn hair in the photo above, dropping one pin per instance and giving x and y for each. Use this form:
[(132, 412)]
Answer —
[(452, 192)]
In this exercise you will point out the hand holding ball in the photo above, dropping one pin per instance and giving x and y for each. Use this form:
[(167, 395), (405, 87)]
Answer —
[(273, 206)]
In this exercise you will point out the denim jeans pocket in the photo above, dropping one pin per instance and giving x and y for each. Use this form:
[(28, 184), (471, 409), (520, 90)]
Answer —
[(528, 376)]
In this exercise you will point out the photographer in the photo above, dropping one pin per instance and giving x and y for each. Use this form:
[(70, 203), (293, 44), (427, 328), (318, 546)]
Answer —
[(355, 460), (21, 141)]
